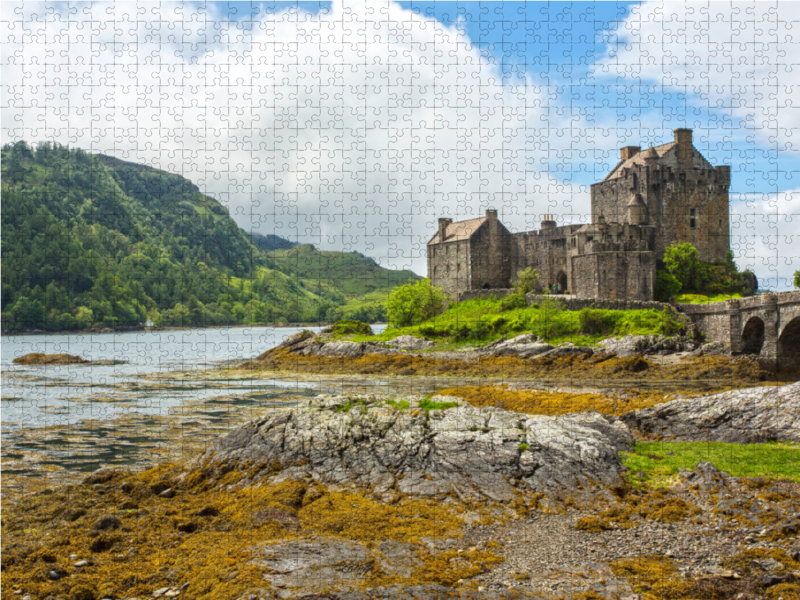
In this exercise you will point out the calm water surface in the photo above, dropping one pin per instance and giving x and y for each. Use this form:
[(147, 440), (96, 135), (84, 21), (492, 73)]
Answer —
[(77, 417)]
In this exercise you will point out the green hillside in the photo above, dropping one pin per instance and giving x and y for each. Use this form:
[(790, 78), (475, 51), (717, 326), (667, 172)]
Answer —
[(93, 241)]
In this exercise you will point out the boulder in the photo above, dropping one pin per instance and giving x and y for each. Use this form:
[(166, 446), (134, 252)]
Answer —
[(37, 358), (410, 342), (743, 416), (473, 453), (340, 349)]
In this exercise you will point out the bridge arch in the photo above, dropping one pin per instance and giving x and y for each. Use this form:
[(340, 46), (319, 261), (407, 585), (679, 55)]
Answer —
[(753, 336), (788, 349)]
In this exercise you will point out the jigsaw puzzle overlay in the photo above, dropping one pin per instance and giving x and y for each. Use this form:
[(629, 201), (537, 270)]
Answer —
[(415, 300)]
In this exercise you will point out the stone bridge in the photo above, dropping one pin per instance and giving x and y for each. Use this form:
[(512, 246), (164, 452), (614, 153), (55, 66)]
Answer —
[(767, 325)]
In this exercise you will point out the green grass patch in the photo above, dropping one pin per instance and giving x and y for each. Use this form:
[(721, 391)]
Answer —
[(349, 405), (399, 404), (428, 405), (482, 321), (655, 460), (701, 299)]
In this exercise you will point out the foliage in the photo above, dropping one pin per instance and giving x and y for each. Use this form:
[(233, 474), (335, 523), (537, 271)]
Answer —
[(485, 320), (702, 299), (667, 286), (796, 281), (92, 241), (683, 263), (414, 302), (351, 327), (654, 459), (526, 282)]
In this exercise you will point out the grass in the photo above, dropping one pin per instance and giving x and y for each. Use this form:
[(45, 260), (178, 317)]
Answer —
[(701, 299), (428, 405), (482, 321), (773, 460)]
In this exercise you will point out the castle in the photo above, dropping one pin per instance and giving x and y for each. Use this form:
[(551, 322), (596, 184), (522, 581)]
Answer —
[(650, 200)]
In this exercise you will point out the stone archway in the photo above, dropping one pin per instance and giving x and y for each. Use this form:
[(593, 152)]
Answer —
[(561, 280), (753, 336), (788, 350)]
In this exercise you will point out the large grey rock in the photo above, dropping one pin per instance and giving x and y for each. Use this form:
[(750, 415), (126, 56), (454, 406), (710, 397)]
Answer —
[(474, 453), (410, 342), (341, 349), (639, 345), (741, 416)]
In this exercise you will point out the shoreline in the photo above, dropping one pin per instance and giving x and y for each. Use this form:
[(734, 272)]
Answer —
[(95, 331)]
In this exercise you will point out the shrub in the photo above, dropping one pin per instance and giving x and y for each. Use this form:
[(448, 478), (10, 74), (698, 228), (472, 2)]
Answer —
[(667, 286), (350, 327), (683, 262), (796, 279), (595, 321), (414, 302)]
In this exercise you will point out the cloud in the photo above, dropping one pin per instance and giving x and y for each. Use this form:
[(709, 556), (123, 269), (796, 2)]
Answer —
[(354, 128)]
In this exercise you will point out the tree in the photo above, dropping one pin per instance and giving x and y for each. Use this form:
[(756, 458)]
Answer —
[(797, 279), (414, 303), (526, 282), (683, 262), (667, 286)]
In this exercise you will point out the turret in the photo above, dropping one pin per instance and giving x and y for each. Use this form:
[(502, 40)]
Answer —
[(637, 210)]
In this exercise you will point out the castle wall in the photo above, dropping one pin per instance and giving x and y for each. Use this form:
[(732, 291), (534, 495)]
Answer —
[(624, 275), (449, 266), (491, 256), (544, 250)]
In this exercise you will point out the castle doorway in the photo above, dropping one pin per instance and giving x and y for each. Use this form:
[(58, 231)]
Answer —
[(561, 279), (486, 286), (753, 336)]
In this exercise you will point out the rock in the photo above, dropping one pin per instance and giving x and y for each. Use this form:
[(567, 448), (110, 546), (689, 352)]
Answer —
[(37, 358), (126, 487), (525, 350), (568, 350), (81, 563), (745, 416), (168, 493), (410, 342), (208, 511), (468, 451), (294, 339), (107, 523), (639, 345), (56, 574), (99, 476), (188, 527), (160, 486), (341, 349), (160, 592)]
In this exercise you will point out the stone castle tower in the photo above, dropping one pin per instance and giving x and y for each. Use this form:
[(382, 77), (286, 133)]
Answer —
[(650, 200)]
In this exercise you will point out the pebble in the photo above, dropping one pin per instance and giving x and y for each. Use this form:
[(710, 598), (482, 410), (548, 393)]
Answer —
[(81, 563), (168, 493)]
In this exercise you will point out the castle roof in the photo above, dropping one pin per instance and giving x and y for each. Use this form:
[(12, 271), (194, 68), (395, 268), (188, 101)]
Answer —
[(665, 154), (461, 230)]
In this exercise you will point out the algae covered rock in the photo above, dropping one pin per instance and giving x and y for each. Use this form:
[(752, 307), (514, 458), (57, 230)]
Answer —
[(37, 358), (744, 416), (397, 448)]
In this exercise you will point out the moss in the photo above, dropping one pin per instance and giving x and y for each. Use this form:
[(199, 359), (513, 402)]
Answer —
[(744, 562), (206, 533), (592, 525), (786, 591), (541, 402)]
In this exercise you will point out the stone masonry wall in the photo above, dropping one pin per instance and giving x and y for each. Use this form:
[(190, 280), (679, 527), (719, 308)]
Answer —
[(449, 266), (613, 275)]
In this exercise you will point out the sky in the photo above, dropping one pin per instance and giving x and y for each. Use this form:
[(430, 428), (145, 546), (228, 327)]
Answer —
[(355, 125)]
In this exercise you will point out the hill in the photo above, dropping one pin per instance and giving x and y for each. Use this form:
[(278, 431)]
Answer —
[(271, 242), (94, 241)]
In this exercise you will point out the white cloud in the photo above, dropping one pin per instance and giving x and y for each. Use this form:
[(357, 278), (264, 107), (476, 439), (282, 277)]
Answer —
[(355, 128)]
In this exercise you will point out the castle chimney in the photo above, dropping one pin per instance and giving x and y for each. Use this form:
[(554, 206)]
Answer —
[(628, 151), (443, 223), (491, 214), (548, 221), (683, 137)]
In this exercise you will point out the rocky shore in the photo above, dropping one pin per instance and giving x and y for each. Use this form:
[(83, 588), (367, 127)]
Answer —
[(635, 358), (376, 497)]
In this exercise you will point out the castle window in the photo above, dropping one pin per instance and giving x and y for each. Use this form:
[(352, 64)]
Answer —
[(589, 238), (692, 220)]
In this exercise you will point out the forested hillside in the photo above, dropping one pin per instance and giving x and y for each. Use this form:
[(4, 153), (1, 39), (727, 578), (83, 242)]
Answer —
[(92, 241)]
